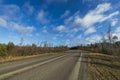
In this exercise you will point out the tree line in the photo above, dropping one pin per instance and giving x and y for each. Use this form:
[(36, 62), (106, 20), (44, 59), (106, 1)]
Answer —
[(23, 50), (109, 44)]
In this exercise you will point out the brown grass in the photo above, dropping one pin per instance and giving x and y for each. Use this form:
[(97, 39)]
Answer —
[(13, 58), (103, 67)]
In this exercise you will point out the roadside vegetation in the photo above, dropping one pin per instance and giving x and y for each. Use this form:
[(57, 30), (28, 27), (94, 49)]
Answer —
[(103, 58), (11, 51), (103, 48), (109, 44), (102, 66)]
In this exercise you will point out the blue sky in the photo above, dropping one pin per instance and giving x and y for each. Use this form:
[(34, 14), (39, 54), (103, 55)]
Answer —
[(61, 22)]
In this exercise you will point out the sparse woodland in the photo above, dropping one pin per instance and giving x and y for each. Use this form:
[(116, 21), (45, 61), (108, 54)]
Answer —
[(109, 45), (105, 48), (22, 50)]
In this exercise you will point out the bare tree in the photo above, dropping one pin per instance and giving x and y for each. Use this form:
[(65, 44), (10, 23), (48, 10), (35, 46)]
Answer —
[(103, 38), (21, 41), (109, 34)]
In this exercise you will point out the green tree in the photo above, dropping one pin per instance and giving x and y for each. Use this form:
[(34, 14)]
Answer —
[(10, 46), (3, 50), (34, 45)]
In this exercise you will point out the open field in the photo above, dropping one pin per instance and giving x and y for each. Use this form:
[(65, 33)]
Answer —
[(103, 67)]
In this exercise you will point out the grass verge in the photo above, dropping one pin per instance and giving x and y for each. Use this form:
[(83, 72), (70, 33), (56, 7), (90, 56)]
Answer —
[(103, 67), (14, 58)]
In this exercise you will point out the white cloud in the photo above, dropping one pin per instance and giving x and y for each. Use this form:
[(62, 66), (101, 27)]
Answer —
[(54, 38), (66, 42), (101, 8), (27, 30), (87, 24), (109, 16), (42, 17), (90, 30), (67, 12), (3, 23), (44, 30), (75, 30), (79, 36), (117, 30), (11, 12), (94, 16), (10, 16), (76, 40), (93, 39), (60, 28), (41, 14), (114, 22)]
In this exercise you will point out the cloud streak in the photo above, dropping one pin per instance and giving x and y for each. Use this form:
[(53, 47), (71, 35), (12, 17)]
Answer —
[(95, 16), (87, 23), (67, 12), (3, 23), (27, 30), (60, 28), (23, 29)]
